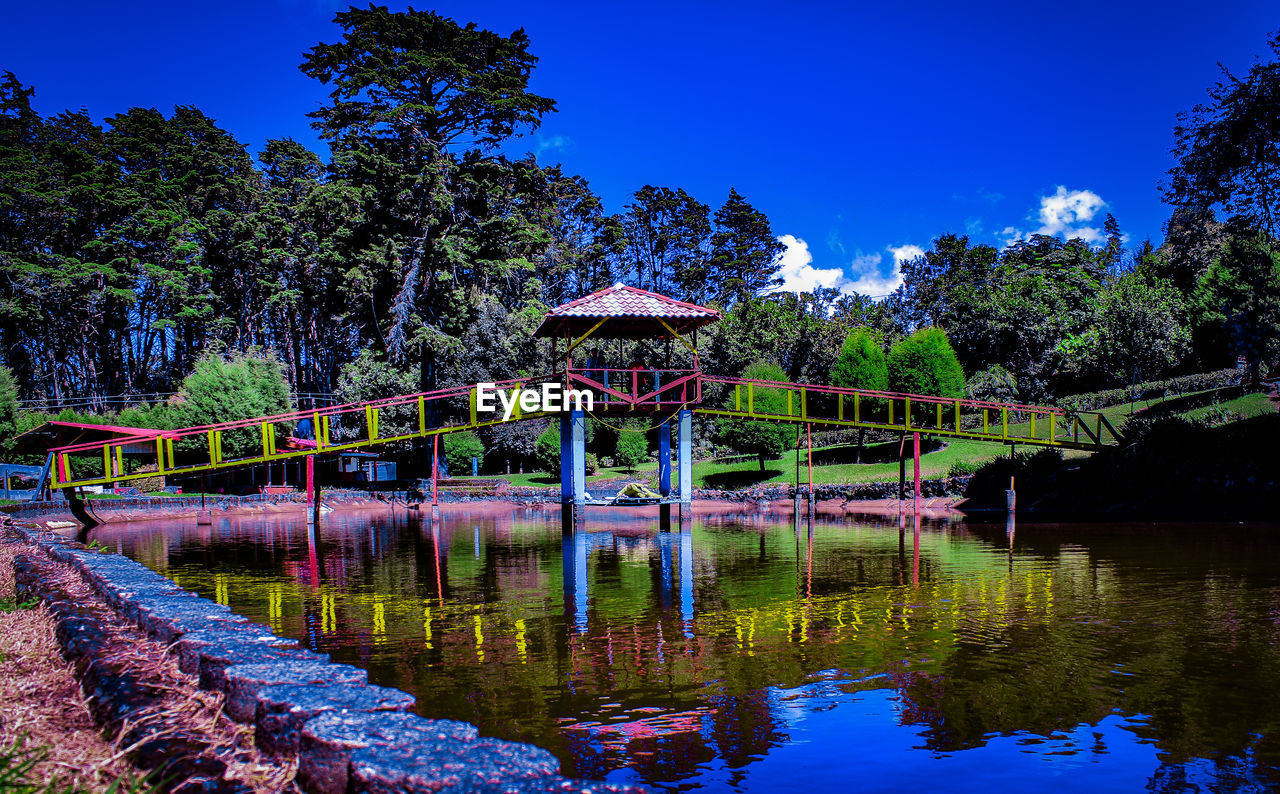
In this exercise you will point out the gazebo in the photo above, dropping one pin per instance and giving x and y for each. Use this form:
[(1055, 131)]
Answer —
[(622, 312)]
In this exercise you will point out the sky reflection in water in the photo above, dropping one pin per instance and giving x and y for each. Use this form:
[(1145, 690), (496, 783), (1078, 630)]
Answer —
[(754, 653)]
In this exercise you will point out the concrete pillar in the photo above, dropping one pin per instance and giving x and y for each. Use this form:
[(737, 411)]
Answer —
[(578, 437), (664, 458), (566, 458), (686, 456)]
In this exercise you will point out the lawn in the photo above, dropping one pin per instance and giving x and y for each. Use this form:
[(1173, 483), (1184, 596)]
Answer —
[(834, 464)]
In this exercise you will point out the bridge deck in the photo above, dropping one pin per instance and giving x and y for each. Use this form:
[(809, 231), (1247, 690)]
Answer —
[(661, 392)]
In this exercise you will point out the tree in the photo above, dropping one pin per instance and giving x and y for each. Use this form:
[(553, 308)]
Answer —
[(667, 232), (371, 377), (744, 251), (229, 388), (424, 79), (924, 363), (632, 445), (408, 89), (1240, 294), (1142, 334), (861, 365), (8, 411), (762, 439), (460, 448), (1228, 150)]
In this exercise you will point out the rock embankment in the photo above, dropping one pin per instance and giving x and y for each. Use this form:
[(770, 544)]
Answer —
[(301, 712)]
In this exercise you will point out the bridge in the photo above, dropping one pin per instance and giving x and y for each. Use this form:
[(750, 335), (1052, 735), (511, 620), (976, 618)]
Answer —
[(670, 396)]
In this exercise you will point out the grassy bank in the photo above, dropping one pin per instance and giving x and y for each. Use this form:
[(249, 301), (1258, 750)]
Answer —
[(835, 464)]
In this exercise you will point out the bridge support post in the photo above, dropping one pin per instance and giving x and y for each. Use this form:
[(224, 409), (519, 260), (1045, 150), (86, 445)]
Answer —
[(915, 440), (313, 510), (902, 470), (685, 441)]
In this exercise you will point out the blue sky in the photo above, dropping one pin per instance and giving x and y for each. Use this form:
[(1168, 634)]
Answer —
[(863, 130)]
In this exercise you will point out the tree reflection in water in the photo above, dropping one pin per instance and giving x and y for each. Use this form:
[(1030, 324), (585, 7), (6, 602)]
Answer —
[(757, 652)]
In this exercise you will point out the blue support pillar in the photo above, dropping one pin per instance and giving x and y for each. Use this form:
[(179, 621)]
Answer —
[(664, 458), (578, 437), (685, 441), (566, 458)]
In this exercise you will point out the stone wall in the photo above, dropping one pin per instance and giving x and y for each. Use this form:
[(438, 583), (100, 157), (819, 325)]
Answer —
[(345, 734)]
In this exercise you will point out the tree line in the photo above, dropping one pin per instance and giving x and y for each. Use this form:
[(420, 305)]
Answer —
[(415, 255)]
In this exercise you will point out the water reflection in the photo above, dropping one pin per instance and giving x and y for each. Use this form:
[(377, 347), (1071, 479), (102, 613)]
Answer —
[(758, 652)]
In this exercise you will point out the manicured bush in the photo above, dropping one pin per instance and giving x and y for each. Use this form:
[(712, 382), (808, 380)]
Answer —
[(632, 445), (762, 439), (861, 363), (1091, 401), (460, 448), (230, 388), (547, 449), (925, 363)]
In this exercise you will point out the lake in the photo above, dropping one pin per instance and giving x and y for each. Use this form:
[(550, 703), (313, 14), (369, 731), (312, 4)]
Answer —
[(757, 652)]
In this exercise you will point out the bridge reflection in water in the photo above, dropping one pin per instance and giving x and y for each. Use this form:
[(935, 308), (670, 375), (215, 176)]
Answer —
[(756, 652)]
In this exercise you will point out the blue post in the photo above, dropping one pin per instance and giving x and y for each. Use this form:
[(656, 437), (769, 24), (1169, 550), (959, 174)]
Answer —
[(579, 446), (686, 456), (566, 458), (664, 458), (475, 466)]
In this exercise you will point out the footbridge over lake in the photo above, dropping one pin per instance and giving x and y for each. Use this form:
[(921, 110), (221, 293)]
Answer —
[(596, 384)]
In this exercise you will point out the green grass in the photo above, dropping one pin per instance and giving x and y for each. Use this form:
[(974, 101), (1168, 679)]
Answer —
[(1245, 407), (837, 464)]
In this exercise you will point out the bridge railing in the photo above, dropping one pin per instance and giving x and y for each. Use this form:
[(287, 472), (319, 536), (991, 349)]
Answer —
[(637, 386), (893, 411), (282, 436)]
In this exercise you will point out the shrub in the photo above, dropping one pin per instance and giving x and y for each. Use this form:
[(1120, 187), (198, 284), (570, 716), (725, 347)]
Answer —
[(547, 449), (230, 388), (632, 445), (547, 452), (861, 364), (762, 439), (993, 384), (925, 363), (460, 448), (1091, 401)]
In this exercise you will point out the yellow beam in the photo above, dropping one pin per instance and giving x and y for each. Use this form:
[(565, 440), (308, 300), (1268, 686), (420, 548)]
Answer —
[(684, 341), (583, 338)]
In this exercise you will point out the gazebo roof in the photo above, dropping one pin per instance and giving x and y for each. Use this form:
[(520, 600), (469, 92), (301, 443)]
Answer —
[(624, 312)]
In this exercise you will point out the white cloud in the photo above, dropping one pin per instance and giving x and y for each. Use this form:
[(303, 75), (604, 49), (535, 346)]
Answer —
[(1066, 212), (556, 143), (795, 268), (864, 274)]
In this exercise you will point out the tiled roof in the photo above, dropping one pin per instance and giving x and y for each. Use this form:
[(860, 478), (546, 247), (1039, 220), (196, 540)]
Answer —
[(628, 304), (623, 301)]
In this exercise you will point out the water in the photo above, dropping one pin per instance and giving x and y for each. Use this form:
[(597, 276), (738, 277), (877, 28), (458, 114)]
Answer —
[(753, 653)]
